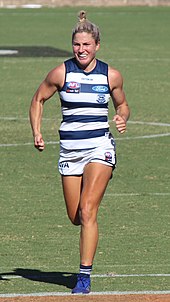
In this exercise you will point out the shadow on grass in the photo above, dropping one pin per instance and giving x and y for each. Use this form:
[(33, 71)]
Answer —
[(61, 278), (33, 51)]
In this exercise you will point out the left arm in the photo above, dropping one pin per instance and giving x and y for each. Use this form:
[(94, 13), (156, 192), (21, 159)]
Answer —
[(119, 100)]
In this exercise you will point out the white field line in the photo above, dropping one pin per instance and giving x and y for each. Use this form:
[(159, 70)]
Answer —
[(116, 139), (139, 194), (15, 118), (8, 276), (149, 123), (143, 136), (128, 59), (129, 275), (114, 293), (119, 138)]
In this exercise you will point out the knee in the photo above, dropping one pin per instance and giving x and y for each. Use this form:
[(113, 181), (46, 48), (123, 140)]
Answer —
[(87, 214)]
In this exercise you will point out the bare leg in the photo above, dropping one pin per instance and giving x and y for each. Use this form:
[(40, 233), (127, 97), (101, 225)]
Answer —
[(95, 179), (83, 196), (72, 190)]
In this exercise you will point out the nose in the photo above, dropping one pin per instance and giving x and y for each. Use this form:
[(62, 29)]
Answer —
[(81, 48)]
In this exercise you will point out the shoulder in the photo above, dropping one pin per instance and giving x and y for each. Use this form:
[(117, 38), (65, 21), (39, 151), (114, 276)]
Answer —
[(72, 66), (115, 78), (101, 67), (56, 76), (57, 70)]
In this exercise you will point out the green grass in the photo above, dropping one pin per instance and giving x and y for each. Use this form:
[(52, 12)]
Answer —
[(36, 237)]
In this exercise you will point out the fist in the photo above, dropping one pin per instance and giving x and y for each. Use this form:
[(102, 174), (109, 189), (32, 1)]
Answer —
[(39, 142), (120, 123)]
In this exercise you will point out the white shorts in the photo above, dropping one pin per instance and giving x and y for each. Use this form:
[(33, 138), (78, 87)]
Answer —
[(72, 162)]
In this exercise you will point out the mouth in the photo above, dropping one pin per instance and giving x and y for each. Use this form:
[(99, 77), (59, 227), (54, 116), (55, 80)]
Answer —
[(82, 56)]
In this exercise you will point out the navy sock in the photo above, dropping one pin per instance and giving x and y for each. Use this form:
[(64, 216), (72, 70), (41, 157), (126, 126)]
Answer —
[(85, 269)]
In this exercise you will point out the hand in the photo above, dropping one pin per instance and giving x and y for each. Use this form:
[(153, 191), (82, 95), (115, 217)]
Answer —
[(39, 142), (120, 123)]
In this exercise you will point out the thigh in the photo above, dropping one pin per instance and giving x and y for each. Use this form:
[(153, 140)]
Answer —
[(72, 186), (95, 179)]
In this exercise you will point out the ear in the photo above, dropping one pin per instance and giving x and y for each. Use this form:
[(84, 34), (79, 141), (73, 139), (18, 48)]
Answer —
[(97, 46)]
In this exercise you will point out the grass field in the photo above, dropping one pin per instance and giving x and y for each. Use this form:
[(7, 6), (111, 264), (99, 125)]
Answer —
[(38, 242)]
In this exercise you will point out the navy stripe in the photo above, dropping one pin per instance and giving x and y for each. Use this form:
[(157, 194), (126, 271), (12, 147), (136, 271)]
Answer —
[(72, 66), (83, 105), (84, 118), (85, 134), (86, 88)]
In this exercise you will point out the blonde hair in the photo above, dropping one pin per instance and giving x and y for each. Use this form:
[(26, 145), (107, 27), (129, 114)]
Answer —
[(84, 25)]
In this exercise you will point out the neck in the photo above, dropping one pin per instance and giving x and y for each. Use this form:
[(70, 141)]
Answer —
[(89, 67)]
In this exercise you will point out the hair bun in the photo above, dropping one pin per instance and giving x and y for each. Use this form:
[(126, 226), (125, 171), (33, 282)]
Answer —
[(82, 16)]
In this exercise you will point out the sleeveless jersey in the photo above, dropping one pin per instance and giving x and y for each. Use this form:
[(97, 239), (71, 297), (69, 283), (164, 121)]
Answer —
[(84, 104)]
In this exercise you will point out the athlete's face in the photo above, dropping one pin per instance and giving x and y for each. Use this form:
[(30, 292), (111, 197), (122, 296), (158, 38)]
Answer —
[(84, 50)]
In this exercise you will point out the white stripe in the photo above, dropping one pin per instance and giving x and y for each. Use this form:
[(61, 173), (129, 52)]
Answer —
[(86, 111), (84, 97), (93, 79), (82, 144), (114, 293), (75, 126)]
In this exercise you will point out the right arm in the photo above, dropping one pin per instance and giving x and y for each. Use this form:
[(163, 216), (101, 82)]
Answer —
[(52, 83)]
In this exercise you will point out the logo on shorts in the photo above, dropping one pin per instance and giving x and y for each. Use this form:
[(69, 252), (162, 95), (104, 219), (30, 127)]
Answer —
[(64, 165), (108, 156), (73, 87)]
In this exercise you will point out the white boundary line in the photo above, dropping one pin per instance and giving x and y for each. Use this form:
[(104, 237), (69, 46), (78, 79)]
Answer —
[(47, 294), (119, 293), (129, 275), (116, 139), (8, 277)]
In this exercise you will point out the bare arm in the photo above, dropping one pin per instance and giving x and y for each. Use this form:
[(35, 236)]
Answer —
[(47, 88), (119, 100)]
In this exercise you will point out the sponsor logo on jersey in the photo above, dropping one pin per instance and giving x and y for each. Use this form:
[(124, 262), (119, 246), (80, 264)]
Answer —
[(73, 87), (86, 79), (101, 98), (108, 156), (100, 88)]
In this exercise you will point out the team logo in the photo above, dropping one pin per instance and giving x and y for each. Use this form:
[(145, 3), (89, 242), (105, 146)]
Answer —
[(99, 89), (108, 156), (101, 98), (73, 87)]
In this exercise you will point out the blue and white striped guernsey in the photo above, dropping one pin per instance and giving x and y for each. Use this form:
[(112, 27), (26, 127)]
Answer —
[(84, 103)]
